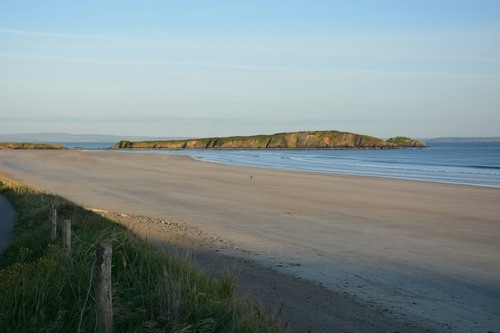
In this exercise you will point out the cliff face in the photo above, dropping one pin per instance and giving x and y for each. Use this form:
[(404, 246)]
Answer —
[(292, 140)]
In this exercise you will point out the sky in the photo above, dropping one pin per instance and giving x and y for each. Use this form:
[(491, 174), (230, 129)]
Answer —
[(216, 68)]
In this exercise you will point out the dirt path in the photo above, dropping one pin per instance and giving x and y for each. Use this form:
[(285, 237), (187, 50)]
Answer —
[(7, 220)]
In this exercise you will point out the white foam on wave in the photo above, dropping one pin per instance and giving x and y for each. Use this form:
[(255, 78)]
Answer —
[(439, 164)]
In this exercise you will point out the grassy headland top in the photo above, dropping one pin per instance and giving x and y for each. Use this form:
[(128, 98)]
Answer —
[(290, 140), (16, 145)]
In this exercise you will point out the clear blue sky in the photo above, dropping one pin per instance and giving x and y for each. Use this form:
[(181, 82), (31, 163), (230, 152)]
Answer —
[(216, 68)]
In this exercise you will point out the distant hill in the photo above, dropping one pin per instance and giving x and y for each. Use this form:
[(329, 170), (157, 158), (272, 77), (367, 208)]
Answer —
[(290, 140), (464, 139), (67, 137)]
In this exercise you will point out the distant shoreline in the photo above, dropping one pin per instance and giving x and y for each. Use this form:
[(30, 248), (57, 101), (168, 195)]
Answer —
[(464, 139)]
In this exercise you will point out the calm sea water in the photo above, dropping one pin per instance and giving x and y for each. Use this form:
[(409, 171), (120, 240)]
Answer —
[(473, 163)]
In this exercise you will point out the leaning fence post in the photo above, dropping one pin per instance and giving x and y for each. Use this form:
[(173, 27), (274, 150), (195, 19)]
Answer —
[(53, 230), (102, 288), (67, 235)]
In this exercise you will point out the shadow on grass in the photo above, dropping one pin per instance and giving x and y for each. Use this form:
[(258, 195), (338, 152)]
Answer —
[(43, 288)]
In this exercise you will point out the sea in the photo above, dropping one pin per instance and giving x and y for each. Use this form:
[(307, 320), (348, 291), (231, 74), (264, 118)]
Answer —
[(469, 163)]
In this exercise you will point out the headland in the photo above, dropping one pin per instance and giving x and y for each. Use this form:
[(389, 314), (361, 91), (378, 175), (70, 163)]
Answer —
[(289, 140)]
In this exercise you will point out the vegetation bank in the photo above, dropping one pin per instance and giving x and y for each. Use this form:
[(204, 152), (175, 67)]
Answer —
[(46, 288)]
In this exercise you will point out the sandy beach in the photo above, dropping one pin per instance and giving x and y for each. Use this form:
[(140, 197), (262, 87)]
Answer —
[(417, 253)]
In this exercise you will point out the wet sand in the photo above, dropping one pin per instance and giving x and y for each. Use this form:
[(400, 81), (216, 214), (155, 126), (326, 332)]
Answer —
[(418, 252)]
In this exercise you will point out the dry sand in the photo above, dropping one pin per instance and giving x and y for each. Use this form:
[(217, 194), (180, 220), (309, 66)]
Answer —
[(415, 253)]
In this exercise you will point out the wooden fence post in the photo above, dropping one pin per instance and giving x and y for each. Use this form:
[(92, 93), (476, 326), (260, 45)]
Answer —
[(53, 229), (67, 235), (102, 288)]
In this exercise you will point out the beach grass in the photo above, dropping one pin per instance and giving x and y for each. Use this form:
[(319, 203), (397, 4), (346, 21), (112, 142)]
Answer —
[(44, 288)]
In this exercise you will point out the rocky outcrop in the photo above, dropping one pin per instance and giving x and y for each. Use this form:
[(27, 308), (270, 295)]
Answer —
[(403, 141), (291, 140), (10, 145)]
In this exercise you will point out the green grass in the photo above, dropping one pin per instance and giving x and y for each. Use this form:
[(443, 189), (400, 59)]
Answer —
[(403, 141), (24, 145), (44, 289), (290, 140)]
